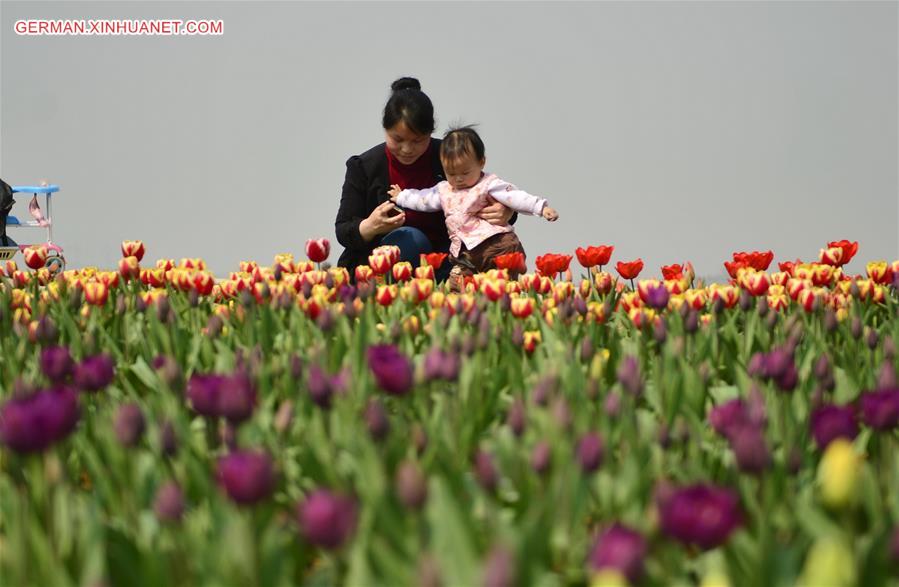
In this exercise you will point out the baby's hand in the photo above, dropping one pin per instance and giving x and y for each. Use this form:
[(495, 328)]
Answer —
[(394, 192), (550, 214)]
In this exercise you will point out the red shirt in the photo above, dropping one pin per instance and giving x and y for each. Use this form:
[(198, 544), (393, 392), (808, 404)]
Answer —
[(417, 176)]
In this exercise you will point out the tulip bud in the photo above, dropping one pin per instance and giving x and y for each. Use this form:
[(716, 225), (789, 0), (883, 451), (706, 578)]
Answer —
[(411, 486), (169, 503), (129, 425), (612, 405), (516, 418), (590, 452), (56, 363), (660, 331), (377, 420), (887, 377), (629, 375), (419, 439), (855, 327), (499, 568), (872, 339), (889, 348), (771, 320), (830, 320), (320, 390), (168, 441), (214, 326), (541, 457), (561, 413), (750, 449), (746, 300), (46, 331), (691, 321), (761, 307), (485, 471), (517, 338)]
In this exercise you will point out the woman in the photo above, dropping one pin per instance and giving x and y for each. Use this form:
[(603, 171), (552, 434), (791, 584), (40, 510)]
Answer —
[(408, 158)]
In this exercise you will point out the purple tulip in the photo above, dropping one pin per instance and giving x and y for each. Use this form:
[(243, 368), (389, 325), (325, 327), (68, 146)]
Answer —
[(327, 519), (629, 375), (236, 398), (411, 486), (700, 514), (485, 471), (392, 370), (831, 422), (168, 440), (499, 568), (376, 420), (516, 418), (169, 503), (94, 373), (319, 385), (56, 363), (887, 376), (203, 391), (622, 549), (726, 417), (246, 476), (657, 296), (541, 457), (590, 452), (750, 449), (612, 405), (129, 424), (440, 364), (34, 422), (880, 409)]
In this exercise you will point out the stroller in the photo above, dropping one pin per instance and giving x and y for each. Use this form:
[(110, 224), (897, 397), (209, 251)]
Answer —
[(8, 247)]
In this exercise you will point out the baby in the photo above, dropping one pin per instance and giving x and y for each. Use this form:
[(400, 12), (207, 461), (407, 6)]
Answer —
[(474, 242)]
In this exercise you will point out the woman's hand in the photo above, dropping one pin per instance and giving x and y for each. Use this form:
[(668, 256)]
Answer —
[(496, 213), (382, 220)]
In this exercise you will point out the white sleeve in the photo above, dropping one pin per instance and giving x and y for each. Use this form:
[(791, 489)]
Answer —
[(426, 200), (516, 199)]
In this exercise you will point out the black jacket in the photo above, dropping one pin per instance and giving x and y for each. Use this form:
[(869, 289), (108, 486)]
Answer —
[(364, 188)]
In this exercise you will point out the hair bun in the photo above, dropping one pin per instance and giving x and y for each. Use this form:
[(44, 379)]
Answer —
[(405, 83)]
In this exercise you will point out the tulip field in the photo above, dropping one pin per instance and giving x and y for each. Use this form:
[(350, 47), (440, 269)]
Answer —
[(590, 422)]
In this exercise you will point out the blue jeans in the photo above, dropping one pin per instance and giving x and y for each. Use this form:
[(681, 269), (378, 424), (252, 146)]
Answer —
[(413, 243)]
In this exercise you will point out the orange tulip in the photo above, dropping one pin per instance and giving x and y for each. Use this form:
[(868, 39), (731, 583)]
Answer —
[(96, 293), (522, 307), (129, 268), (879, 271), (513, 262), (672, 272), (433, 260), (402, 271), (424, 272), (386, 294)]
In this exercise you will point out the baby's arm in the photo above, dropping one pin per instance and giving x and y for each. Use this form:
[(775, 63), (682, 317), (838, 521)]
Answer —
[(426, 200), (516, 199)]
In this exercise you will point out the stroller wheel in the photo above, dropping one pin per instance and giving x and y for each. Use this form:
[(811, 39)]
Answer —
[(55, 264)]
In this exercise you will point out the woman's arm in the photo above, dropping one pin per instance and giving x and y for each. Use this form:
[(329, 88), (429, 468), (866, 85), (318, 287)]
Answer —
[(356, 226)]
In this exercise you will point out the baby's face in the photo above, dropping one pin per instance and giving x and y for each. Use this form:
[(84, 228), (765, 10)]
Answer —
[(463, 173)]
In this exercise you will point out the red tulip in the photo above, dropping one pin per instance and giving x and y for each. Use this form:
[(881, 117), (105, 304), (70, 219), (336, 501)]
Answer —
[(386, 294), (551, 264), (629, 269), (513, 262), (434, 260), (672, 272), (364, 273), (133, 249), (379, 263), (733, 268), (849, 250), (593, 256), (35, 256), (317, 250), (756, 259)]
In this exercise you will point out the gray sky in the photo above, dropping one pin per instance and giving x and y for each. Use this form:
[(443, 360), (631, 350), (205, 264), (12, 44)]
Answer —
[(673, 130)]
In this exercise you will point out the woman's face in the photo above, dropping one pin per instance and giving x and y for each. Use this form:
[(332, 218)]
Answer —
[(405, 144)]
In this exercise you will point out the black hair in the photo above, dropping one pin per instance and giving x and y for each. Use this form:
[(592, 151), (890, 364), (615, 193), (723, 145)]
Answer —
[(410, 105), (461, 141)]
